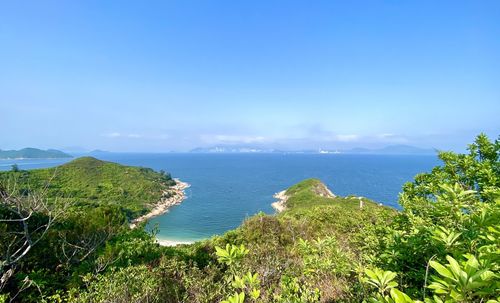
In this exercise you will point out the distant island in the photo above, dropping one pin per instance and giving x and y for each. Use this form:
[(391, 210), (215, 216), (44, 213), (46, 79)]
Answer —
[(232, 150), (33, 153), (393, 150), (388, 150)]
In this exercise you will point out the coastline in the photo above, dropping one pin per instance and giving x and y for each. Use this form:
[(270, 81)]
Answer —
[(166, 242), (170, 197), (280, 205)]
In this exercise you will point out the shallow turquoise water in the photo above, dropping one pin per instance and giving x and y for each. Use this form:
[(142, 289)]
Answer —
[(227, 188)]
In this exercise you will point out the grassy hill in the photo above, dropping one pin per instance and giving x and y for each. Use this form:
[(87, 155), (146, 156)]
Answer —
[(315, 244), (317, 240), (33, 153), (321, 248), (312, 192), (89, 182)]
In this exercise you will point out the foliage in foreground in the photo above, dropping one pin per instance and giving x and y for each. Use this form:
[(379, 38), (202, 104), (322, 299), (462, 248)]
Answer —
[(58, 224), (442, 247)]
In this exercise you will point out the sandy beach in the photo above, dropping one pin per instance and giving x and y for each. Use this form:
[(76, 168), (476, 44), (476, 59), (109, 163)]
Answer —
[(174, 195)]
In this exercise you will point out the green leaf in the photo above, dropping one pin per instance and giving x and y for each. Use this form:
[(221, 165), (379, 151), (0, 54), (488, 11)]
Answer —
[(455, 267), (400, 297), (443, 271), (371, 274)]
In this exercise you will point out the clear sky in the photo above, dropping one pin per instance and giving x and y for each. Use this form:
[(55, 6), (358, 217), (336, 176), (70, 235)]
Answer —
[(174, 75)]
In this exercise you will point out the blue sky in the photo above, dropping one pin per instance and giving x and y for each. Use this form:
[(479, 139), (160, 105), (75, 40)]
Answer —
[(174, 75)]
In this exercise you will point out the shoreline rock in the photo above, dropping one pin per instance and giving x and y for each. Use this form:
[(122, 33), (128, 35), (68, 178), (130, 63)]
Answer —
[(280, 205), (172, 196), (164, 242), (320, 189)]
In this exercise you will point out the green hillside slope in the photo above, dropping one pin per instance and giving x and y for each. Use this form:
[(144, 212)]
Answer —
[(89, 182), (313, 248), (442, 246), (318, 241)]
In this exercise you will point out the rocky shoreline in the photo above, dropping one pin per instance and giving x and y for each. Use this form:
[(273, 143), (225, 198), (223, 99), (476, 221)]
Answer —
[(282, 197), (164, 242), (280, 205), (174, 195)]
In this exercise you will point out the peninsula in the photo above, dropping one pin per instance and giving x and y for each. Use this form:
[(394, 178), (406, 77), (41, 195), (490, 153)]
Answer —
[(138, 192), (317, 188)]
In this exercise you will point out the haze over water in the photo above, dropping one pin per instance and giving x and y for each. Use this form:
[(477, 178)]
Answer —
[(227, 188)]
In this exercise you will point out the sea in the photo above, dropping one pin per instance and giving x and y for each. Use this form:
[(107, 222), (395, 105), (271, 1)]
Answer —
[(227, 188)]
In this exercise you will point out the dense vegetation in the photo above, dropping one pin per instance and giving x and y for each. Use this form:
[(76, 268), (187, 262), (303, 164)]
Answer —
[(89, 183), (443, 246), (33, 153), (59, 224)]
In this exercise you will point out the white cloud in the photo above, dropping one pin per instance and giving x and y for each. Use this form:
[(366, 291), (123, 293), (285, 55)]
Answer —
[(346, 138), (383, 136), (233, 139), (391, 138), (161, 137), (122, 135), (112, 135)]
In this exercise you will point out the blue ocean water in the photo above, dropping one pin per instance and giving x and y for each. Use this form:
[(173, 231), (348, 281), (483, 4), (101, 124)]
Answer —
[(227, 188)]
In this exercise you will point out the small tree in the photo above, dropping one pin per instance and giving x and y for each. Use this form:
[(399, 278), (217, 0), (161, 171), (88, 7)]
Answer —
[(14, 167), (24, 221)]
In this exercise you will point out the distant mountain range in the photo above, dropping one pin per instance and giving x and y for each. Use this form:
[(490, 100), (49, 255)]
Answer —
[(388, 150), (33, 153), (393, 150), (231, 149)]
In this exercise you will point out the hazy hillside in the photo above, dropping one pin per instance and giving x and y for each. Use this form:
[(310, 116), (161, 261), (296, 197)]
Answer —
[(33, 153), (393, 150)]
